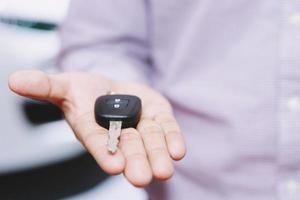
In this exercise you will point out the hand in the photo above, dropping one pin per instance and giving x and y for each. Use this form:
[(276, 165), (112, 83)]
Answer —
[(144, 153)]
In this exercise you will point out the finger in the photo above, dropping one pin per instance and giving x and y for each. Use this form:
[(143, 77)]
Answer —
[(94, 138), (163, 115), (38, 85), (174, 138), (137, 168), (155, 145)]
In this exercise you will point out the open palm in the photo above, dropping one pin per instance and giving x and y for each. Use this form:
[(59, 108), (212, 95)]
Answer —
[(145, 152)]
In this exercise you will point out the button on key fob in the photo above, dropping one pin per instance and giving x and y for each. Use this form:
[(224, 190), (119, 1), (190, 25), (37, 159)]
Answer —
[(115, 112)]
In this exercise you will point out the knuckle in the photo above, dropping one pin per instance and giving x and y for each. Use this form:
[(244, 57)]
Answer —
[(128, 135), (157, 150), (170, 126), (153, 129), (136, 155), (150, 127), (129, 131), (165, 119), (90, 137), (171, 130)]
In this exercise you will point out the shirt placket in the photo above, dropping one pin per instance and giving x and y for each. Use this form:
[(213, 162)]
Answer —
[(289, 103)]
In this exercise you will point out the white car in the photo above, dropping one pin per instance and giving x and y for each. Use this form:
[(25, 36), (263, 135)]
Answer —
[(25, 146), (21, 144)]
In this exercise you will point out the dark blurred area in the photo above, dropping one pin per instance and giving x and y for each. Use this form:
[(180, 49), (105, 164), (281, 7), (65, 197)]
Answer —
[(39, 112), (54, 181)]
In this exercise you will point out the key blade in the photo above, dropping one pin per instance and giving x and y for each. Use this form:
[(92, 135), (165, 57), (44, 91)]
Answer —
[(114, 133)]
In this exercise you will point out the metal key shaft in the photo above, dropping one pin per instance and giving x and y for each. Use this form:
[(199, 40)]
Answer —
[(114, 133)]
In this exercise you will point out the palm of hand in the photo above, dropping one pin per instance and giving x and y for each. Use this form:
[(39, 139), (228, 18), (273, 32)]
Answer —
[(144, 153)]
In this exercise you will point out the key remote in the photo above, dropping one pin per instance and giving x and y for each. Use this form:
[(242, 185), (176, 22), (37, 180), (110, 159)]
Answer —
[(115, 112)]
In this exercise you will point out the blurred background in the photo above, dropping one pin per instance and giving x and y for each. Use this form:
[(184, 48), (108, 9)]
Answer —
[(39, 155)]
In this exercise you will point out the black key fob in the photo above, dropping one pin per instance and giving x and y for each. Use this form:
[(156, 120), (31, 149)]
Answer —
[(124, 108)]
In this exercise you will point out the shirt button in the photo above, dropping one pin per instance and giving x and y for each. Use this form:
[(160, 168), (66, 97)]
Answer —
[(294, 104), (294, 19), (289, 190), (292, 187)]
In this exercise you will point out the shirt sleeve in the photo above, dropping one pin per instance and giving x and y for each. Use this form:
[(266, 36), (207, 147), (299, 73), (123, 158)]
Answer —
[(107, 36)]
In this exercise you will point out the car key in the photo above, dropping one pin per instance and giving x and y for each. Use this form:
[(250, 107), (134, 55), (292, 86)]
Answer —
[(115, 112)]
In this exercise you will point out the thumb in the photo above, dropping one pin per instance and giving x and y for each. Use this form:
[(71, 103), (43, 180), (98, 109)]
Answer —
[(38, 85)]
